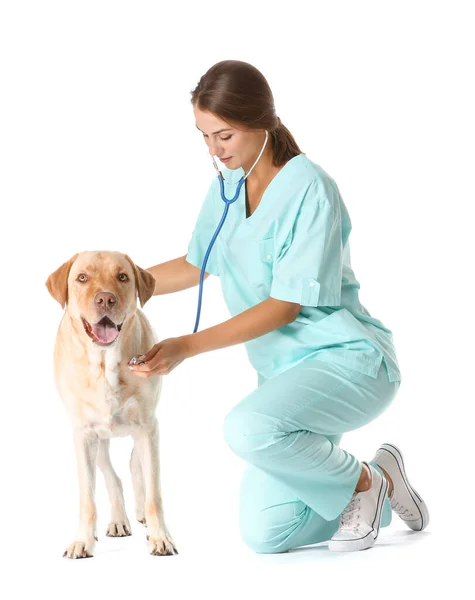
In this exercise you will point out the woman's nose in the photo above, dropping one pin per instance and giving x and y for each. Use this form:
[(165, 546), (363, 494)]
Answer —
[(214, 150)]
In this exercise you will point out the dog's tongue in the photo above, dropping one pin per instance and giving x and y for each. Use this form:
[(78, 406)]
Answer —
[(105, 331)]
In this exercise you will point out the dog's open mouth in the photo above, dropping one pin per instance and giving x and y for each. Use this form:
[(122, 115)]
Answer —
[(104, 332)]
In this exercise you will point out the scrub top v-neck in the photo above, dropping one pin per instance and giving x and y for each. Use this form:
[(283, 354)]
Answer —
[(293, 247)]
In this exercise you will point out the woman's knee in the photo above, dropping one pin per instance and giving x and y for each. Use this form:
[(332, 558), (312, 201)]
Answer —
[(232, 429), (247, 432)]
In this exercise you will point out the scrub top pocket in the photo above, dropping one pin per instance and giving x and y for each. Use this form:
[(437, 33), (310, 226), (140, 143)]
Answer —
[(259, 269), (266, 250)]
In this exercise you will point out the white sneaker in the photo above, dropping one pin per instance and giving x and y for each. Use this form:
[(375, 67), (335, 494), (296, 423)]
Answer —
[(361, 519), (404, 499)]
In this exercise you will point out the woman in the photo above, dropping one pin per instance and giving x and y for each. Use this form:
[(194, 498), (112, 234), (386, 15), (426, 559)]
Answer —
[(324, 365)]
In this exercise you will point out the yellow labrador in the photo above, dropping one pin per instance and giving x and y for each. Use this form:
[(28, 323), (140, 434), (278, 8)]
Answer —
[(100, 331)]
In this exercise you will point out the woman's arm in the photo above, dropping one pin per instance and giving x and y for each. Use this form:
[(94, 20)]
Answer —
[(175, 275), (254, 322)]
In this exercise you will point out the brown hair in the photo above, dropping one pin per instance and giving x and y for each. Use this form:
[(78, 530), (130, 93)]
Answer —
[(237, 92)]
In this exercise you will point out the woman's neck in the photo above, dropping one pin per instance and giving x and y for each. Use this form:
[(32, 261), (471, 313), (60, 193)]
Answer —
[(264, 170)]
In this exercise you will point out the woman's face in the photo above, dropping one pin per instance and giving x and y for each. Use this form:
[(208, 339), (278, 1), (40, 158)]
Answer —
[(243, 146)]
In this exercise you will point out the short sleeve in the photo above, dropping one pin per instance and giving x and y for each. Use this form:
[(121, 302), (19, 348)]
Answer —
[(206, 224), (308, 267)]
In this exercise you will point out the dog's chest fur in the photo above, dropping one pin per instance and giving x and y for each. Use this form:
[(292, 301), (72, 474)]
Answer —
[(111, 411)]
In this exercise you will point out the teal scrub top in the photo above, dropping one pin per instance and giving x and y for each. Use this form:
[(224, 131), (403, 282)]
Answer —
[(293, 247)]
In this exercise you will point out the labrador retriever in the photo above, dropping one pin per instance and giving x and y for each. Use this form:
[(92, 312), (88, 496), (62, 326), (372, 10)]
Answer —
[(100, 331)]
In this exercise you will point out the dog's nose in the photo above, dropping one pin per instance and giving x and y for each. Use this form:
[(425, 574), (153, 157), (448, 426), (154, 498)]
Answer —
[(105, 300)]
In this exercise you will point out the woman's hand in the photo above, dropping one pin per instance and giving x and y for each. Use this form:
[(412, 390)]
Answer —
[(163, 357)]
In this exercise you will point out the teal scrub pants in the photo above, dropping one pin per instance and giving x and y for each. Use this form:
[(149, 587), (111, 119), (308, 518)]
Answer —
[(299, 480)]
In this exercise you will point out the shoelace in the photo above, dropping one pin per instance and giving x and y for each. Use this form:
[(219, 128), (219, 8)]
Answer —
[(400, 509), (350, 516)]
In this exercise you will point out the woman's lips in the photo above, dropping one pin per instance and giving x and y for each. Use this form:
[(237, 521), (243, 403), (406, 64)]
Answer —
[(225, 159)]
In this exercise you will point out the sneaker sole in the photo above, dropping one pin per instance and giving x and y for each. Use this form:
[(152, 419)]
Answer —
[(368, 540), (423, 521)]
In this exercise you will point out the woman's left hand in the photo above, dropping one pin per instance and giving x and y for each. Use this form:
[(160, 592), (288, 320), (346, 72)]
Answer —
[(162, 358)]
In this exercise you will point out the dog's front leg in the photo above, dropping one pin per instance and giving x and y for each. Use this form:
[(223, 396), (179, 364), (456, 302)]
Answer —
[(146, 444), (86, 445), (119, 524)]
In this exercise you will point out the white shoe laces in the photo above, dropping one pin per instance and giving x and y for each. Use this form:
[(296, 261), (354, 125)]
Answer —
[(400, 509), (349, 518)]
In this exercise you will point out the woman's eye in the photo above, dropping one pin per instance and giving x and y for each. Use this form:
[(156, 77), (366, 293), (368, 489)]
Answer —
[(222, 139)]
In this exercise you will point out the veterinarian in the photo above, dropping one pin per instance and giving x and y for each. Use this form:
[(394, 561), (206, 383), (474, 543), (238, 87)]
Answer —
[(325, 366)]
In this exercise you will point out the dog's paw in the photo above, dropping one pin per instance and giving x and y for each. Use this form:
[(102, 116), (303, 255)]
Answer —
[(118, 529), (161, 545), (143, 521), (81, 549)]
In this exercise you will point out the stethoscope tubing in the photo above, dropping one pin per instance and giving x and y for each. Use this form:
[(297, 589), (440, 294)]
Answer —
[(227, 203)]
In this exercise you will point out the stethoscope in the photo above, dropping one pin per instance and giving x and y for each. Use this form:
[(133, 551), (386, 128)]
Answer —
[(227, 203)]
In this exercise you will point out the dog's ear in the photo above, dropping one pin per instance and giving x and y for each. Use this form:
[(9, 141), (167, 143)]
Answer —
[(144, 281), (57, 282)]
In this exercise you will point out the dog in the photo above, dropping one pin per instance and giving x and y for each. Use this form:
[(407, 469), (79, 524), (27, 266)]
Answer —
[(101, 329)]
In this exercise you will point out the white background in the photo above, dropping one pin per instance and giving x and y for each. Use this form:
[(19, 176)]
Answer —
[(99, 151)]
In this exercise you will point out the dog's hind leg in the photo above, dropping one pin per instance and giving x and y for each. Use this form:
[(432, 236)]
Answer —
[(138, 484), (119, 525)]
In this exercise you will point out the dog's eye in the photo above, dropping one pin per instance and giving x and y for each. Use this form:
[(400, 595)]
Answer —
[(82, 275), (123, 275)]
